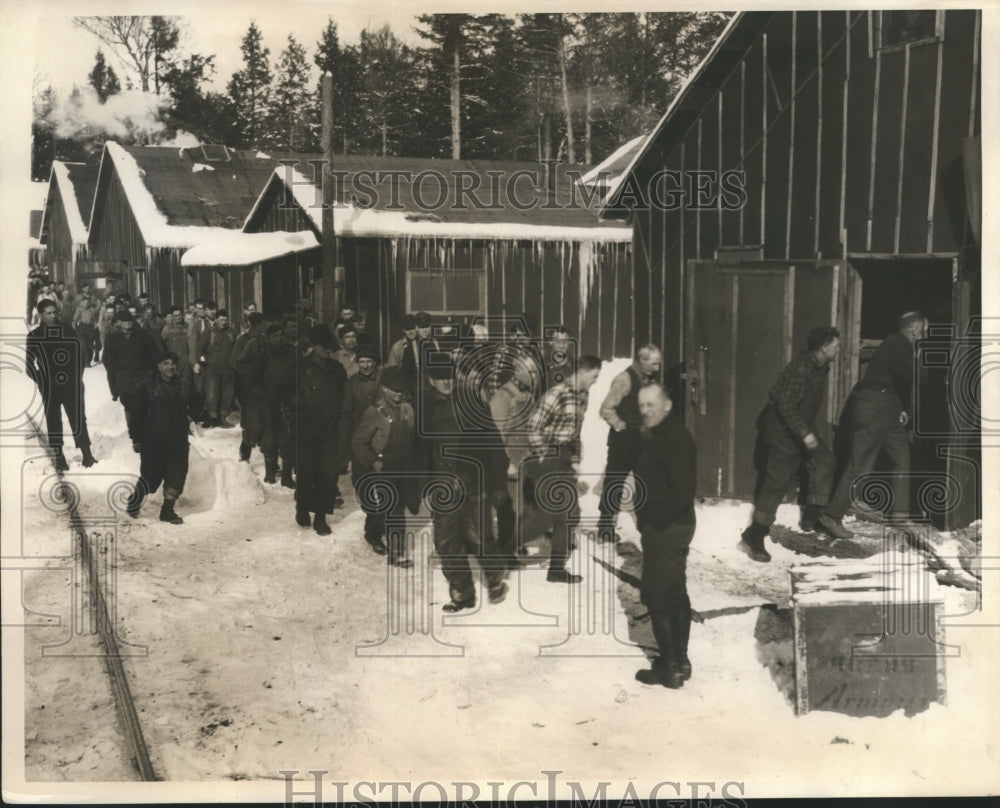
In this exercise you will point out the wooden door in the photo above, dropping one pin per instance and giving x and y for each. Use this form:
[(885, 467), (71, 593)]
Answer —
[(747, 320)]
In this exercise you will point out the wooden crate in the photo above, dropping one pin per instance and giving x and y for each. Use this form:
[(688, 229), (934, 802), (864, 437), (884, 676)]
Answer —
[(867, 638)]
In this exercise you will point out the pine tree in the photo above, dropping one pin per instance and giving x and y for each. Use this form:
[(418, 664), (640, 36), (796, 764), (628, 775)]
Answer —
[(387, 78), (103, 79), (289, 100), (344, 65), (250, 90)]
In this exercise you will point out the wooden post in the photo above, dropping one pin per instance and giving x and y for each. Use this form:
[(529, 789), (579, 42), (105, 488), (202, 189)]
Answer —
[(329, 293)]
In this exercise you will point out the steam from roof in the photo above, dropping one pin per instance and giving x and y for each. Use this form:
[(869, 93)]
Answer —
[(132, 116)]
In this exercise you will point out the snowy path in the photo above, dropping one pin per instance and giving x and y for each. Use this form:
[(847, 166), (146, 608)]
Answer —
[(254, 629)]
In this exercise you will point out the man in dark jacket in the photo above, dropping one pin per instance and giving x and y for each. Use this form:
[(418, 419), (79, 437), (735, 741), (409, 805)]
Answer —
[(248, 363), (315, 393), (163, 418), (276, 438), (215, 353), (54, 362), (128, 358), (666, 468), (361, 393), (473, 462), (789, 430), (383, 454), (620, 410), (174, 338), (880, 408)]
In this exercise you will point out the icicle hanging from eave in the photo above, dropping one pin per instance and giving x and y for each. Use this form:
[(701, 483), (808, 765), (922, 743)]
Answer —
[(589, 266)]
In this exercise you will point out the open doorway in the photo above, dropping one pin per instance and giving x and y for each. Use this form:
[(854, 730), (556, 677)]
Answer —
[(890, 287)]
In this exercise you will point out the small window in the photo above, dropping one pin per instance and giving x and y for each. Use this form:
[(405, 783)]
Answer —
[(215, 153), (446, 291), (900, 28)]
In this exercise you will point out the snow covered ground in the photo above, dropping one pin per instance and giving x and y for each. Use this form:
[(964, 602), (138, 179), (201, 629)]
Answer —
[(256, 647)]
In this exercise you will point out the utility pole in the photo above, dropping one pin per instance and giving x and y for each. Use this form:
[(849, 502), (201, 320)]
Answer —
[(332, 279)]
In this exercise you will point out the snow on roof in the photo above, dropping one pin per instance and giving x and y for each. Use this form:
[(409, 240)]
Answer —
[(67, 191), (612, 166), (359, 222), (681, 100), (239, 249), (154, 225), (202, 167)]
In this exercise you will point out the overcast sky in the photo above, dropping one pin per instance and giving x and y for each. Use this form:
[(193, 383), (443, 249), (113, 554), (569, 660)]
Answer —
[(65, 53)]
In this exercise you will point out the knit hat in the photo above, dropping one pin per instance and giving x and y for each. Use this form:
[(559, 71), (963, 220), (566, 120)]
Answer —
[(367, 352), (395, 379)]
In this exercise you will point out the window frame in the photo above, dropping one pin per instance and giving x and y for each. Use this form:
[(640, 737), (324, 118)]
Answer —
[(879, 47), (446, 310)]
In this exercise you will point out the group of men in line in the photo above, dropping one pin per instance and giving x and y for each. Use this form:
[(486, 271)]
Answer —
[(458, 420)]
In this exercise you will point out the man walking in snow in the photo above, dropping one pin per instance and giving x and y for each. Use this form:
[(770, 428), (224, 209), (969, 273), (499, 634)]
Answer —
[(793, 436), (248, 363), (620, 410), (667, 467), (54, 364), (163, 416), (128, 358), (314, 392), (383, 445), (276, 438), (215, 352), (880, 410)]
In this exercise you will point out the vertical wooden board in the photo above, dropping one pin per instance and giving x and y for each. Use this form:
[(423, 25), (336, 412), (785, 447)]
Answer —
[(956, 72), (732, 105), (753, 134), (813, 304), (570, 286), (890, 129), (708, 353), (834, 28), (652, 298), (495, 256), (831, 151), (779, 61), (759, 359), (776, 201), (551, 299), (513, 273), (803, 230), (625, 334), (860, 108), (805, 44), (918, 147), (541, 259), (709, 219), (642, 279)]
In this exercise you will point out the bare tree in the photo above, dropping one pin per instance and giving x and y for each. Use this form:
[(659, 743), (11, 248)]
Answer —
[(140, 43)]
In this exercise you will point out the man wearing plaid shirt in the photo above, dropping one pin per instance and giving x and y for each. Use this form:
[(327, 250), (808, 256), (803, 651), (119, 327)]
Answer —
[(554, 434), (787, 429)]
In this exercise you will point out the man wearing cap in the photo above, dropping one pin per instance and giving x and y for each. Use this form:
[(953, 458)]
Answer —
[(554, 434), (361, 393), (276, 439), (412, 357), (204, 313), (163, 416), (248, 362), (620, 410), (314, 391), (382, 454), (129, 359), (472, 464), (400, 347), (174, 338), (347, 336), (54, 363), (215, 353)]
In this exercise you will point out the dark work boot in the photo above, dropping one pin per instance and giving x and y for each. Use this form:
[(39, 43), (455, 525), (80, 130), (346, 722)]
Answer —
[(320, 525), (397, 552), (245, 449), (302, 517), (88, 458), (665, 670), (681, 622), (270, 470), (460, 599), (377, 544), (286, 478), (135, 502), (168, 514), (810, 515), (59, 459), (752, 542)]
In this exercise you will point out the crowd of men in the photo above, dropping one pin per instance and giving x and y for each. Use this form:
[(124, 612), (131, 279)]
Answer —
[(483, 429)]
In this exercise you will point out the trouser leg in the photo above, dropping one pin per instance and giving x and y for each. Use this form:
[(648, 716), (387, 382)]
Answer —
[(450, 547), (622, 456), (872, 421), (783, 460), (897, 447)]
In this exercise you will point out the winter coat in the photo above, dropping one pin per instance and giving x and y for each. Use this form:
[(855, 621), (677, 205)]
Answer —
[(475, 454), (163, 409), (129, 360), (175, 339), (48, 363), (215, 346), (360, 393), (313, 389), (384, 432)]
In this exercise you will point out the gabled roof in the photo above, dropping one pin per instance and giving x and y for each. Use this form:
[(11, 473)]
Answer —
[(178, 197), (398, 196), (609, 170), (699, 88), (76, 183)]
